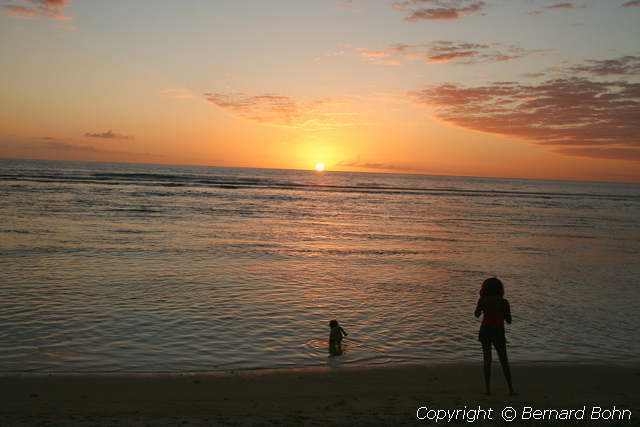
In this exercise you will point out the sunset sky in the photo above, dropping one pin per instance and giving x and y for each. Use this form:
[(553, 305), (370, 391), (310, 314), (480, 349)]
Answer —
[(505, 88)]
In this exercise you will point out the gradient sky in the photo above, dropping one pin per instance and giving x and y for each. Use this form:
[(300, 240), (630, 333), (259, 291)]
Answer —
[(506, 88)]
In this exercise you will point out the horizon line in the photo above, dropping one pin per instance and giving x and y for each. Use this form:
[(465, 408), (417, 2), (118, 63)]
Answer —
[(312, 170)]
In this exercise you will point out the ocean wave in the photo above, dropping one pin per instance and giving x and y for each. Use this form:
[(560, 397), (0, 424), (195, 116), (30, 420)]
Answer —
[(307, 181)]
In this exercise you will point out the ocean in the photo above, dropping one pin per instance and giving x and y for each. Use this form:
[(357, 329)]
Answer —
[(156, 268)]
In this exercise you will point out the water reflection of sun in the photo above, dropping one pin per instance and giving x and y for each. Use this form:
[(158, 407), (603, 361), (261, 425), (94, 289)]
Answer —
[(319, 167)]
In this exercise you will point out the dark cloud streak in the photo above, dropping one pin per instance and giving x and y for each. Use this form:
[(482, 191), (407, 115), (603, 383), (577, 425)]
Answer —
[(601, 153), (63, 146), (459, 52), (561, 6), (107, 135), (375, 165), (441, 10), (626, 65)]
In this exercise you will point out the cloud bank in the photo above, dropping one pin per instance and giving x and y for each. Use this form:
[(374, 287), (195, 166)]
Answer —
[(578, 115)]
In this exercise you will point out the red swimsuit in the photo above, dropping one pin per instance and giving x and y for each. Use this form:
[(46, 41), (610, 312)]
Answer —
[(493, 319), (492, 327)]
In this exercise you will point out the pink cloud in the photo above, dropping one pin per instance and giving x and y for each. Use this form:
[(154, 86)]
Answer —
[(561, 6), (631, 3), (48, 8)]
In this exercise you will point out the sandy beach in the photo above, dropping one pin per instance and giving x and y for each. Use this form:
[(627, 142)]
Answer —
[(397, 395)]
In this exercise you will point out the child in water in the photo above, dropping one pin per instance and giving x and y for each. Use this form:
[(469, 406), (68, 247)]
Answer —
[(335, 338), (496, 311)]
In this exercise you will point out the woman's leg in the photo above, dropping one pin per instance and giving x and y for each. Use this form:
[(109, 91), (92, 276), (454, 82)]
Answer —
[(486, 355), (504, 361)]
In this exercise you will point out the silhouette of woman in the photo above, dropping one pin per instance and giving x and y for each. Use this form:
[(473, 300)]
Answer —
[(496, 311)]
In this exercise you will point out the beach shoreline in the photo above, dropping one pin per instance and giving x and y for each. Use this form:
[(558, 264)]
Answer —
[(364, 395)]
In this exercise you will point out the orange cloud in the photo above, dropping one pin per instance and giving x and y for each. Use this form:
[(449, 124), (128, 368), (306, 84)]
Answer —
[(374, 54), (284, 111), (349, 4), (177, 93), (631, 3)]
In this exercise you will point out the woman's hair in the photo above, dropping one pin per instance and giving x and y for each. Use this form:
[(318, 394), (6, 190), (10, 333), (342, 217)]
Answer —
[(492, 287), (333, 323)]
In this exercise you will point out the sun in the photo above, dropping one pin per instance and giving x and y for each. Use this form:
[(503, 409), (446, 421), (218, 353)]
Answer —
[(319, 167)]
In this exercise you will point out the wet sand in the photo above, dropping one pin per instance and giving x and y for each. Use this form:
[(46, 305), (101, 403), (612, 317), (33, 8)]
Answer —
[(344, 396)]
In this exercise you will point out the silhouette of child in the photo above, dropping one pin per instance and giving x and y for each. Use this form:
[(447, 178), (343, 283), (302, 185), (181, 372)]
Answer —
[(496, 311), (335, 338)]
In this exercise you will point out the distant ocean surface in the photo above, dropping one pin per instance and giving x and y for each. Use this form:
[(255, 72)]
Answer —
[(126, 267)]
